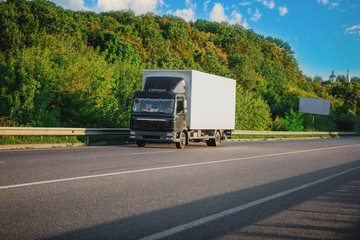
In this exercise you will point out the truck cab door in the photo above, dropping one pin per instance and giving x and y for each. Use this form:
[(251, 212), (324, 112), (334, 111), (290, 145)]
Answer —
[(180, 115)]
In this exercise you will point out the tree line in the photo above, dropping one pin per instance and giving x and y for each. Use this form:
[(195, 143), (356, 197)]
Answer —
[(64, 68)]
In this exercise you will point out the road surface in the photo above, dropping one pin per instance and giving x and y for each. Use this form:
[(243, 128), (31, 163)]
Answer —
[(304, 189)]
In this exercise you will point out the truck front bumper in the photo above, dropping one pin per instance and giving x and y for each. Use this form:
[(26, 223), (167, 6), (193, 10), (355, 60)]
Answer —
[(147, 136)]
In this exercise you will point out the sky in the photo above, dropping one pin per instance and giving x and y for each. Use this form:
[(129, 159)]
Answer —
[(324, 34)]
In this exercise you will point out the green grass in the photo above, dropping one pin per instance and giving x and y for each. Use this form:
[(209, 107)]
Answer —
[(105, 139), (40, 139), (285, 136)]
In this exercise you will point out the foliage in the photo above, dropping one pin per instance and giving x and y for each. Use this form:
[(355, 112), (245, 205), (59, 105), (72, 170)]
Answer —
[(293, 121), (76, 68), (355, 80), (252, 112), (318, 79), (7, 122), (39, 139)]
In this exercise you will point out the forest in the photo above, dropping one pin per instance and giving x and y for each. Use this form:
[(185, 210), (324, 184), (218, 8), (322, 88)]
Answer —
[(64, 68)]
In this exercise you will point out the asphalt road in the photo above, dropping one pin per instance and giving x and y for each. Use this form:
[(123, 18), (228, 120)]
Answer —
[(304, 189)]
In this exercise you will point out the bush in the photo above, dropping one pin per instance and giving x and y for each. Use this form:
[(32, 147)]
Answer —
[(347, 122), (252, 112), (293, 121), (278, 124)]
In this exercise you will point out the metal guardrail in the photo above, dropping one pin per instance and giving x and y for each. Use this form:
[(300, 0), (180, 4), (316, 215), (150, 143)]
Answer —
[(245, 132), (22, 131), (51, 131)]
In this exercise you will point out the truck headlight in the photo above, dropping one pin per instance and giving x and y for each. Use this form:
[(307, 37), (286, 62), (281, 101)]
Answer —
[(132, 132), (170, 134)]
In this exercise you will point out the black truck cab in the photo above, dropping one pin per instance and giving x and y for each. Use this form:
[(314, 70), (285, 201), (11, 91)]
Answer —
[(159, 112)]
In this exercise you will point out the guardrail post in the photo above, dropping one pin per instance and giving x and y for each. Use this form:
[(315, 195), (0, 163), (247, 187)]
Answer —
[(87, 140)]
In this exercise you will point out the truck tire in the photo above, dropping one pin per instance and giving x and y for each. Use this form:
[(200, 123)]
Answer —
[(217, 139), (182, 143), (215, 142), (141, 143)]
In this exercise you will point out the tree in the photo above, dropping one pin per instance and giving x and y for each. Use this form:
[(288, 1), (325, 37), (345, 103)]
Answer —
[(76, 68), (318, 79), (252, 112), (116, 48), (341, 78), (53, 85), (293, 121), (308, 78), (355, 79)]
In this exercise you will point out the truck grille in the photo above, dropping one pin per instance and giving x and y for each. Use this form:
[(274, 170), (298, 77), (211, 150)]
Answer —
[(144, 125)]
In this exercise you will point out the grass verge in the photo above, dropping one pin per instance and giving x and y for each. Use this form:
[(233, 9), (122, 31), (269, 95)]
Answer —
[(105, 139), (287, 136), (4, 140)]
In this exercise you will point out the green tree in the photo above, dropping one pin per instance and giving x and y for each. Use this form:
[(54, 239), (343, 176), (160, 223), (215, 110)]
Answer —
[(318, 79), (293, 121), (55, 85), (355, 80), (116, 48), (252, 112), (76, 68), (341, 78)]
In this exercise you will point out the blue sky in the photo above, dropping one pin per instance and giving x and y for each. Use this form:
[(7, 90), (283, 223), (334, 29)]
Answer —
[(325, 34)]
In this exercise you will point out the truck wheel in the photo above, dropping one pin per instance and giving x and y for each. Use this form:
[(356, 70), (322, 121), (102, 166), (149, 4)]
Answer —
[(141, 143), (181, 144), (215, 142), (217, 139)]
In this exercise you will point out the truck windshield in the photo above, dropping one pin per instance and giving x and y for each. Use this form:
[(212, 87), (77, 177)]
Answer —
[(153, 105)]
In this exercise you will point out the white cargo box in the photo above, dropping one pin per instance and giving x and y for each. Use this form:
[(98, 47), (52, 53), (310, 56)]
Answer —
[(210, 98)]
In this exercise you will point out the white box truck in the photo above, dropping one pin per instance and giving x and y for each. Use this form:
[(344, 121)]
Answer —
[(182, 106)]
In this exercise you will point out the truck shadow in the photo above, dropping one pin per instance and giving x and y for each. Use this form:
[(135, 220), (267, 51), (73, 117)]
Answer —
[(329, 209), (172, 146)]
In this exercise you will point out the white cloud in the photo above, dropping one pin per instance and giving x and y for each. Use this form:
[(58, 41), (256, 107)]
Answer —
[(138, 6), (244, 3), (217, 14), (72, 4), (245, 24), (235, 18), (189, 4), (249, 11), (353, 30), (256, 16), (283, 11), (162, 4), (188, 13), (324, 2), (330, 3), (269, 4), (206, 3)]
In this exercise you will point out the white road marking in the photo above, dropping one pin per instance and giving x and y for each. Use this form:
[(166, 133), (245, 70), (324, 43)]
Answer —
[(145, 153), (240, 208), (171, 167)]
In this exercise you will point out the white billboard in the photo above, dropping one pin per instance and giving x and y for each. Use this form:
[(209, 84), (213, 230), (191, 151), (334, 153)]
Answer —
[(314, 106)]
